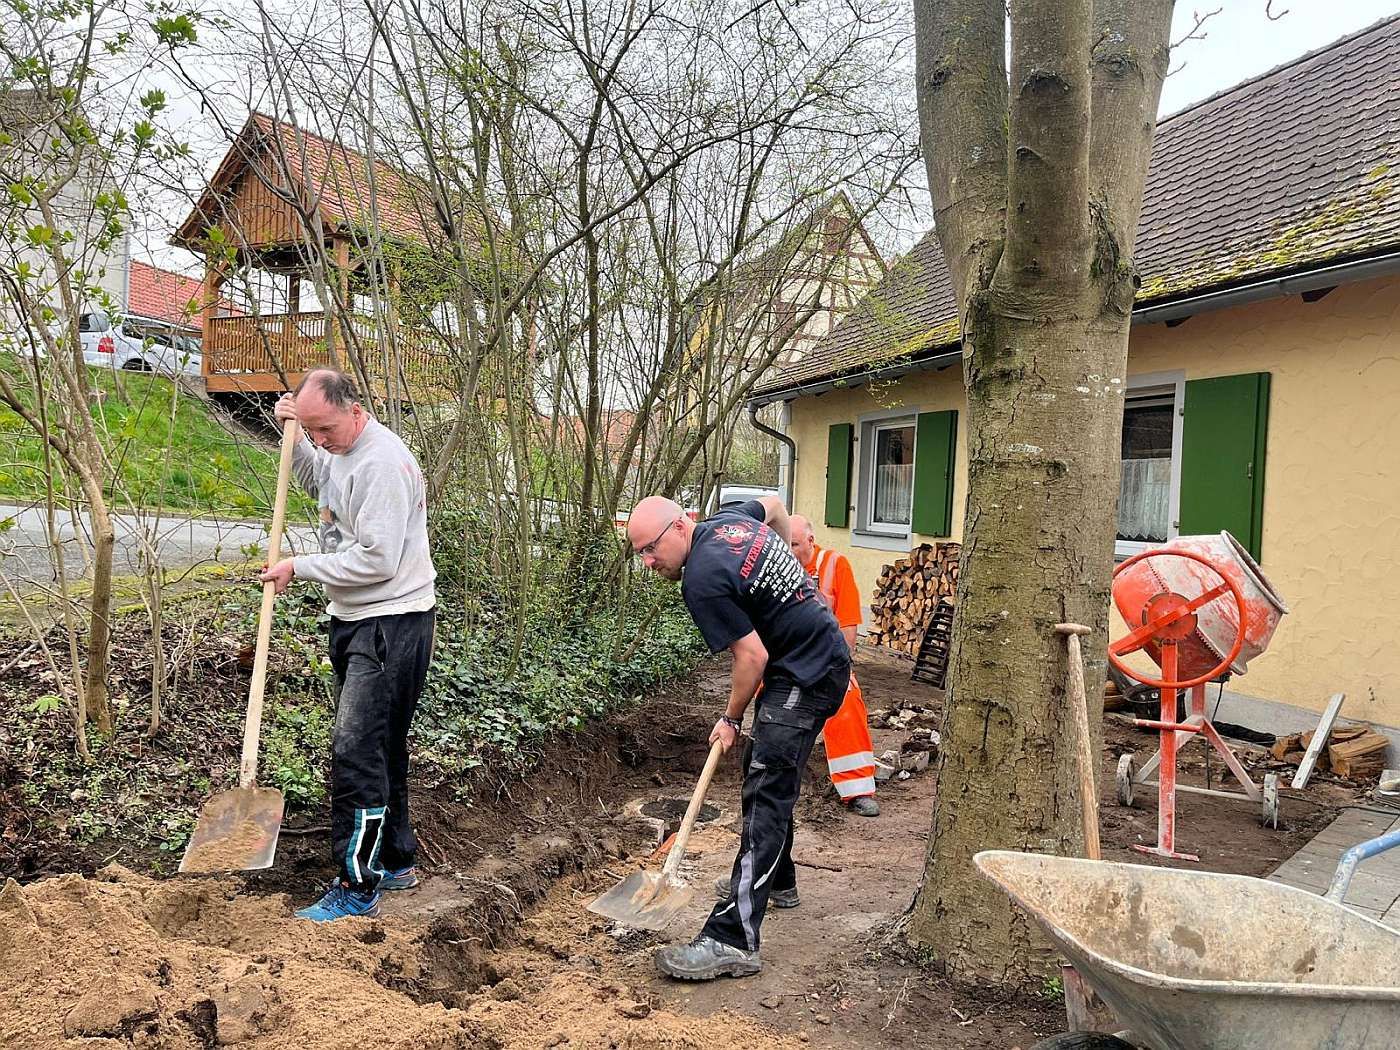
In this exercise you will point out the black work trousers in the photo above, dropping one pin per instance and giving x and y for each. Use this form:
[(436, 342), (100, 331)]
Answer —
[(380, 665), (786, 724)]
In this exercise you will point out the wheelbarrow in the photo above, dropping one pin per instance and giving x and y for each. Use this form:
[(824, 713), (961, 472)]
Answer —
[(1194, 960)]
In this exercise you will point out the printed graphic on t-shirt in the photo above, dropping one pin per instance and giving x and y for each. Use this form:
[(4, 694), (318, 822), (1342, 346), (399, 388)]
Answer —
[(778, 573), (329, 532)]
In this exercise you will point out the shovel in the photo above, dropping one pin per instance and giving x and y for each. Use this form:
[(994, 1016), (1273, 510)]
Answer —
[(237, 829), (1085, 1010), (647, 900)]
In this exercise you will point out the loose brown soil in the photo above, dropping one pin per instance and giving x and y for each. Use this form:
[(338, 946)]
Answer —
[(497, 949)]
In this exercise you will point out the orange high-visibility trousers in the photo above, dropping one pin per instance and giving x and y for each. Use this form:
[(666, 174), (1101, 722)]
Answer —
[(850, 755)]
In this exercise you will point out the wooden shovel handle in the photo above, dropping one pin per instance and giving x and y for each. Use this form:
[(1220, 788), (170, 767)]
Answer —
[(677, 854), (252, 727), (1083, 748)]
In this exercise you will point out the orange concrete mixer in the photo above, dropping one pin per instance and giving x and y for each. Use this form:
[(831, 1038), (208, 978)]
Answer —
[(1201, 608)]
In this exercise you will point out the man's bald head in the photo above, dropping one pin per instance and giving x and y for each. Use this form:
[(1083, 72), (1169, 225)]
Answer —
[(803, 539), (650, 516), (659, 531), (329, 410)]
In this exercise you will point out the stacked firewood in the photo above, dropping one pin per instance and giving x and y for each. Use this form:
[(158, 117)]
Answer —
[(907, 593), (1356, 752)]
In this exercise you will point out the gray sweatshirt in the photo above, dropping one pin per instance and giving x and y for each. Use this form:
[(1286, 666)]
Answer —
[(374, 526)]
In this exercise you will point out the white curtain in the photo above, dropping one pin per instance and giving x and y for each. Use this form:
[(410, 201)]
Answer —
[(1144, 499), (894, 492)]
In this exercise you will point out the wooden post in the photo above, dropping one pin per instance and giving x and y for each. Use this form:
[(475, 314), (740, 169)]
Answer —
[(208, 309), (289, 322), (390, 338), (342, 266)]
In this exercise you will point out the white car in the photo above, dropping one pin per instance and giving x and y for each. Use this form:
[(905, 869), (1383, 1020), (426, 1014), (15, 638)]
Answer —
[(734, 495), (138, 344)]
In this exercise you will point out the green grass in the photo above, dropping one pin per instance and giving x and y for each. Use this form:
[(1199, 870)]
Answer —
[(192, 463)]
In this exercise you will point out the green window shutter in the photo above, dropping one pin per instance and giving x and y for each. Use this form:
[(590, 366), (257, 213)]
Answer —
[(935, 443), (1222, 457), (838, 474)]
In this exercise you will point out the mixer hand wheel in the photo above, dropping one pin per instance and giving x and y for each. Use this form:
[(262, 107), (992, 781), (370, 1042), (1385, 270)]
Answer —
[(1169, 617)]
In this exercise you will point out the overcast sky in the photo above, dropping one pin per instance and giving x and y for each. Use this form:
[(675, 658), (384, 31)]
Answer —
[(1241, 41), (1235, 43)]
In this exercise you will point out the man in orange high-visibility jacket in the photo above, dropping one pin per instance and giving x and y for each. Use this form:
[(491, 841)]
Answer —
[(850, 757)]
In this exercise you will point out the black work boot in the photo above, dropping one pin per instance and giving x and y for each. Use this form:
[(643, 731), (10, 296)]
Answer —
[(776, 899), (704, 959)]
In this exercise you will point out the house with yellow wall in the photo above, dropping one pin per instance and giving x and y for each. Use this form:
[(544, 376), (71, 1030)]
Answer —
[(1263, 390)]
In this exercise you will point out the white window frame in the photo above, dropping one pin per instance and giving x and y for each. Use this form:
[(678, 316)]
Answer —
[(866, 533), (1160, 385)]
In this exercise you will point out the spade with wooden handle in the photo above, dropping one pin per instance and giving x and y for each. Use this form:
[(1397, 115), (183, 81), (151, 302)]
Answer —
[(648, 900), (1084, 1009), (237, 829), (1083, 744)]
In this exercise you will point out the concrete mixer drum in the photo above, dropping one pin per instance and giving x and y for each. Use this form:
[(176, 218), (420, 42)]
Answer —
[(1201, 609)]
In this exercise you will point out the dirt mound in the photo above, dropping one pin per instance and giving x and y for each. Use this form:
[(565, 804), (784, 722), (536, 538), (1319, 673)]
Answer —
[(120, 960), (574, 1009)]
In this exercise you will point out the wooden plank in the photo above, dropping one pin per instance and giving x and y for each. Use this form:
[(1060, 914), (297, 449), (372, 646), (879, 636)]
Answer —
[(1319, 740)]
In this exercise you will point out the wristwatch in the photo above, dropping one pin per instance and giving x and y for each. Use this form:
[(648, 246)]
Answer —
[(735, 724)]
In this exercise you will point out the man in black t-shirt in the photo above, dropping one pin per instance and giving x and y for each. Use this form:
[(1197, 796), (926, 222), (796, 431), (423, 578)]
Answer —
[(747, 593)]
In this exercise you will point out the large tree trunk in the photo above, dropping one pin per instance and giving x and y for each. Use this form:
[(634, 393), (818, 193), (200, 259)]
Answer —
[(1037, 188), (1042, 487)]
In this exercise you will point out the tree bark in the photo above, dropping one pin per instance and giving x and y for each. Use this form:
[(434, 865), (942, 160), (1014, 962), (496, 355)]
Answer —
[(1038, 231)]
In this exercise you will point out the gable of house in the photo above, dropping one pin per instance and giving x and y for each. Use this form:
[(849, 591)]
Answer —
[(273, 171)]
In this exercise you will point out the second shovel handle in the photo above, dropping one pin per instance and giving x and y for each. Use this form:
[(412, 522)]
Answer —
[(1083, 747), (677, 854)]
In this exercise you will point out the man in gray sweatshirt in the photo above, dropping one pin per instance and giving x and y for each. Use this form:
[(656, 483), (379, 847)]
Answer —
[(378, 575)]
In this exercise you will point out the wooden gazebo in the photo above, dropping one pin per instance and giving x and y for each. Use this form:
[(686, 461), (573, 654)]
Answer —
[(280, 197)]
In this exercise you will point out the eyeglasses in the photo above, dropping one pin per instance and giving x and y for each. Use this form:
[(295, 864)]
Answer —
[(650, 548)]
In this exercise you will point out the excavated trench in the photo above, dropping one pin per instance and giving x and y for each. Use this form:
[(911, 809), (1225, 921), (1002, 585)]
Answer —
[(119, 960)]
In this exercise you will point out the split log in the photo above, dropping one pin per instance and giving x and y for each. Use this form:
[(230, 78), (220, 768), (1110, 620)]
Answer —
[(1359, 758)]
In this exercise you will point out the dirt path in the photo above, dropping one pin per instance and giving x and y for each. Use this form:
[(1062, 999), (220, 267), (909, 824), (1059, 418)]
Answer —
[(497, 949)]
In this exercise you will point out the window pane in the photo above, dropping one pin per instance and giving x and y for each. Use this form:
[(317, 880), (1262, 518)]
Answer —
[(894, 475), (1144, 495)]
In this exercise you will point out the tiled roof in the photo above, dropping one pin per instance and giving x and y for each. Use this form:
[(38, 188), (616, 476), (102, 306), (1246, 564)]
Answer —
[(1294, 169), (163, 294), (21, 108), (340, 175)]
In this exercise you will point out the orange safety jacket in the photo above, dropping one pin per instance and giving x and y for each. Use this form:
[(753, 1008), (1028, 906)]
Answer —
[(850, 754)]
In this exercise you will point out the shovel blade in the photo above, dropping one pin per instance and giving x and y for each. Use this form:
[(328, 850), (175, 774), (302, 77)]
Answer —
[(644, 900), (237, 831)]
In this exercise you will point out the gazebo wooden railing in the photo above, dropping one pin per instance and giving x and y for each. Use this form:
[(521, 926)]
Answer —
[(239, 351)]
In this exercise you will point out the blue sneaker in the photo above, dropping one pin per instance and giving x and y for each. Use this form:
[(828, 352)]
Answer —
[(403, 879), (340, 902)]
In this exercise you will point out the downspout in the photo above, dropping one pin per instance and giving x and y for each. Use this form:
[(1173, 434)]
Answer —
[(791, 487)]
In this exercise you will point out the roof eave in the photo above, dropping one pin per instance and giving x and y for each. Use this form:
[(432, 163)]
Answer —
[(1173, 309)]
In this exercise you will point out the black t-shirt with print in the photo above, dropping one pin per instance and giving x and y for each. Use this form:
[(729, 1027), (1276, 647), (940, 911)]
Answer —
[(741, 576)]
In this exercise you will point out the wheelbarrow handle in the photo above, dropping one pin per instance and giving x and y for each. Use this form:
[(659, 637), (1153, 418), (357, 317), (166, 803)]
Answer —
[(1352, 859)]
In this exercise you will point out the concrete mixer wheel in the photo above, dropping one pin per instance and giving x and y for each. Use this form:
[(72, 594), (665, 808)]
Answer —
[(1271, 807), (1125, 780)]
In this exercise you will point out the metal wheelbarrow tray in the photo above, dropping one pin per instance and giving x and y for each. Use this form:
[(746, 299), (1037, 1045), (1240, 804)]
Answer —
[(1193, 960)]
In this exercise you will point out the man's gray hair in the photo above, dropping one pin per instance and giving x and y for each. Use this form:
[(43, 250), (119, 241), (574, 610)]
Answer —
[(336, 387)]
